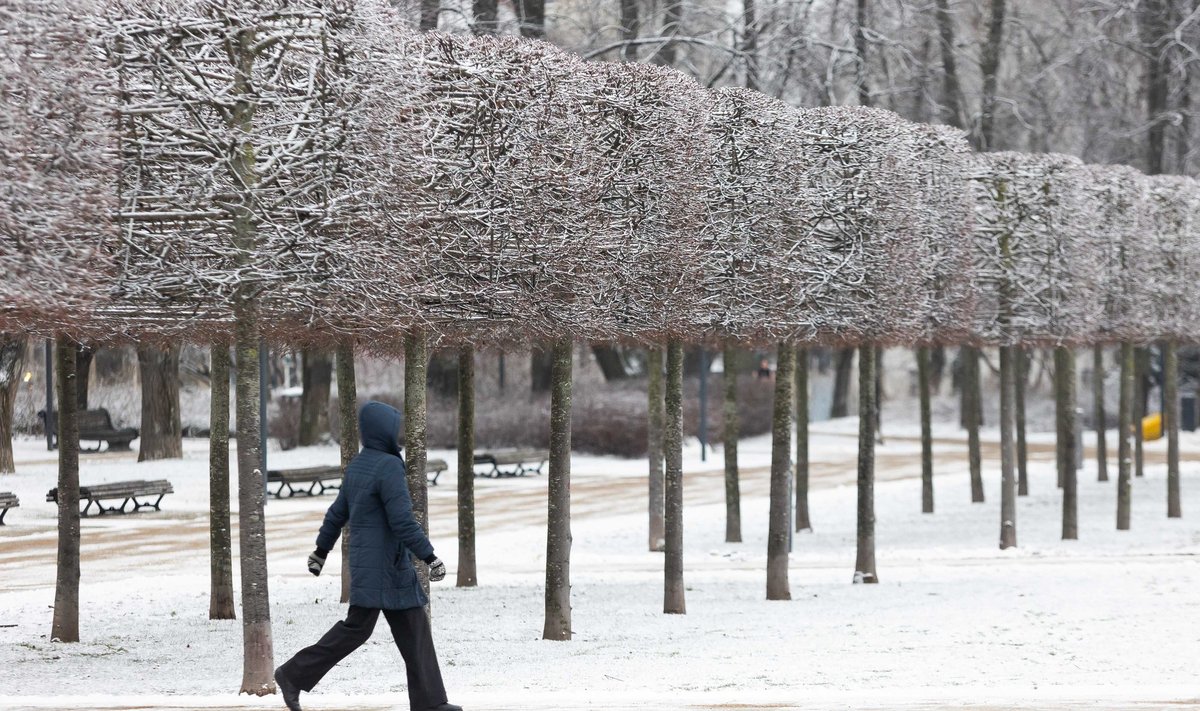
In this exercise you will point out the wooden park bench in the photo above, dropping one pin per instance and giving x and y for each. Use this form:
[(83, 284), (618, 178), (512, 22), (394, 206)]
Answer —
[(129, 492), (512, 463), (94, 426), (8, 500), (315, 481)]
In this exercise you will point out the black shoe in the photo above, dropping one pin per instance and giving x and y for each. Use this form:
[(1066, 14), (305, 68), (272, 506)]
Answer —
[(447, 707), (290, 692)]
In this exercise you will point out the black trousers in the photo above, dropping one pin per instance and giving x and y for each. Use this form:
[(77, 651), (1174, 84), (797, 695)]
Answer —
[(410, 629)]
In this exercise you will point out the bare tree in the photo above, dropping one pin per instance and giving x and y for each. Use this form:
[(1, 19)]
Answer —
[(558, 526), (673, 590), (781, 472), (66, 586), (415, 453), (803, 520), (1064, 399), (161, 431), (220, 598), (12, 357), (467, 571), (729, 427), (1098, 416), (348, 429), (654, 431), (864, 562), (316, 377)]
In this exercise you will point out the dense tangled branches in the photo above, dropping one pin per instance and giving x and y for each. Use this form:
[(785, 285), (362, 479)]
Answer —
[(56, 169)]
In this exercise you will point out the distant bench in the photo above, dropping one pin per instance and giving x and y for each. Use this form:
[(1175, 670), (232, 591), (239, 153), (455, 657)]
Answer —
[(94, 426), (512, 463), (315, 481), (8, 500), (130, 493)]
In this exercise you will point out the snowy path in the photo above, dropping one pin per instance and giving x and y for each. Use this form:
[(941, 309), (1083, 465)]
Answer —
[(1111, 621)]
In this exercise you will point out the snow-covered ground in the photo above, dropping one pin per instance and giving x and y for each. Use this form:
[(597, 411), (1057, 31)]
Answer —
[(1109, 621)]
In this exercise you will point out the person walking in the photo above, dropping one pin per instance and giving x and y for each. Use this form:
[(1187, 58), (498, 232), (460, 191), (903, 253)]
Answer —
[(374, 501)]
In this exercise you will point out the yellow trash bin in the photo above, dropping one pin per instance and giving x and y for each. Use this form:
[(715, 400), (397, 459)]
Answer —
[(1152, 426)]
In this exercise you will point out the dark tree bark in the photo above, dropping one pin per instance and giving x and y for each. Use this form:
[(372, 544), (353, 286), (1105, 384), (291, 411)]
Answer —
[(1098, 411), (864, 564), (672, 18), (860, 48), (1141, 393), (952, 112), (610, 362), (1021, 363), (430, 9), (730, 427), (1008, 451), (673, 591), (348, 412), (532, 14), (878, 395), (926, 430), (841, 383), (1171, 423), (781, 472), (1064, 401), (12, 357), (258, 646), (654, 394), (631, 26), (972, 404), (441, 374), (484, 13), (317, 375), (220, 530), (1125, 432), (467, 573), (558, 515), (161, 429), (937, 367), (750, 43), (65, 626), (803, 520), (541, 362), (84, 355), (1154, 21), (989, 66), (415, 453)]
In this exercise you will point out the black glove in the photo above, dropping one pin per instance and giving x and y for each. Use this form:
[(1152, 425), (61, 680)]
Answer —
[(437, 569), (316, 561)]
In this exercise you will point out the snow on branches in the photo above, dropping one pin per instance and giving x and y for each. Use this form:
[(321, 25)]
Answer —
[(56, 166), (1171, 242), (1037, 262)]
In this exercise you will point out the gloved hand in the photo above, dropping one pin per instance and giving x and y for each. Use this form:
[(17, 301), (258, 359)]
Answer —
[(316, 561), (437, 570)]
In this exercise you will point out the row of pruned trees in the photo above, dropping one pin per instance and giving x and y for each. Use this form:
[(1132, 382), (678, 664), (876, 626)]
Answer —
[(315, 174)]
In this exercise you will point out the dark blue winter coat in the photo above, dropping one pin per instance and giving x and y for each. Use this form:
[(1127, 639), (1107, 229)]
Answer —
[(374, 501)]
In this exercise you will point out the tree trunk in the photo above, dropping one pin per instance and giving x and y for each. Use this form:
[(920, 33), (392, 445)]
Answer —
[(972, 403), (348, 411), (1064, 400), (950, 87), (220, 534), (1021, 363), (750, 43), (673, 597), (672, 17), (558, 501), (989, 66), (1008, 480), (926, 430), (441, 374), (860, 49), (803, 520), (467, 577), (540, 364), (730, 427), (1098, 409), (1125, 444), (314, 399), (429, 9), (66, 587), (864, 564), (1171, 423), (532, 14), (630, 28), (608, 358), (878, 395), (484, 12), (12, 357), (781, 472), (1141, 366), (654, 390), (415, 454), (84, 355), (258, 644), (1154, 28), (841, 383), (161, 429)]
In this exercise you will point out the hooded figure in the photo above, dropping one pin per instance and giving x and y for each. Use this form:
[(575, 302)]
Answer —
[(374, 501)]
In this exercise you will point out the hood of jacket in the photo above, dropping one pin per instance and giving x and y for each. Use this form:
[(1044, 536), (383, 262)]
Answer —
[(379, 427)]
